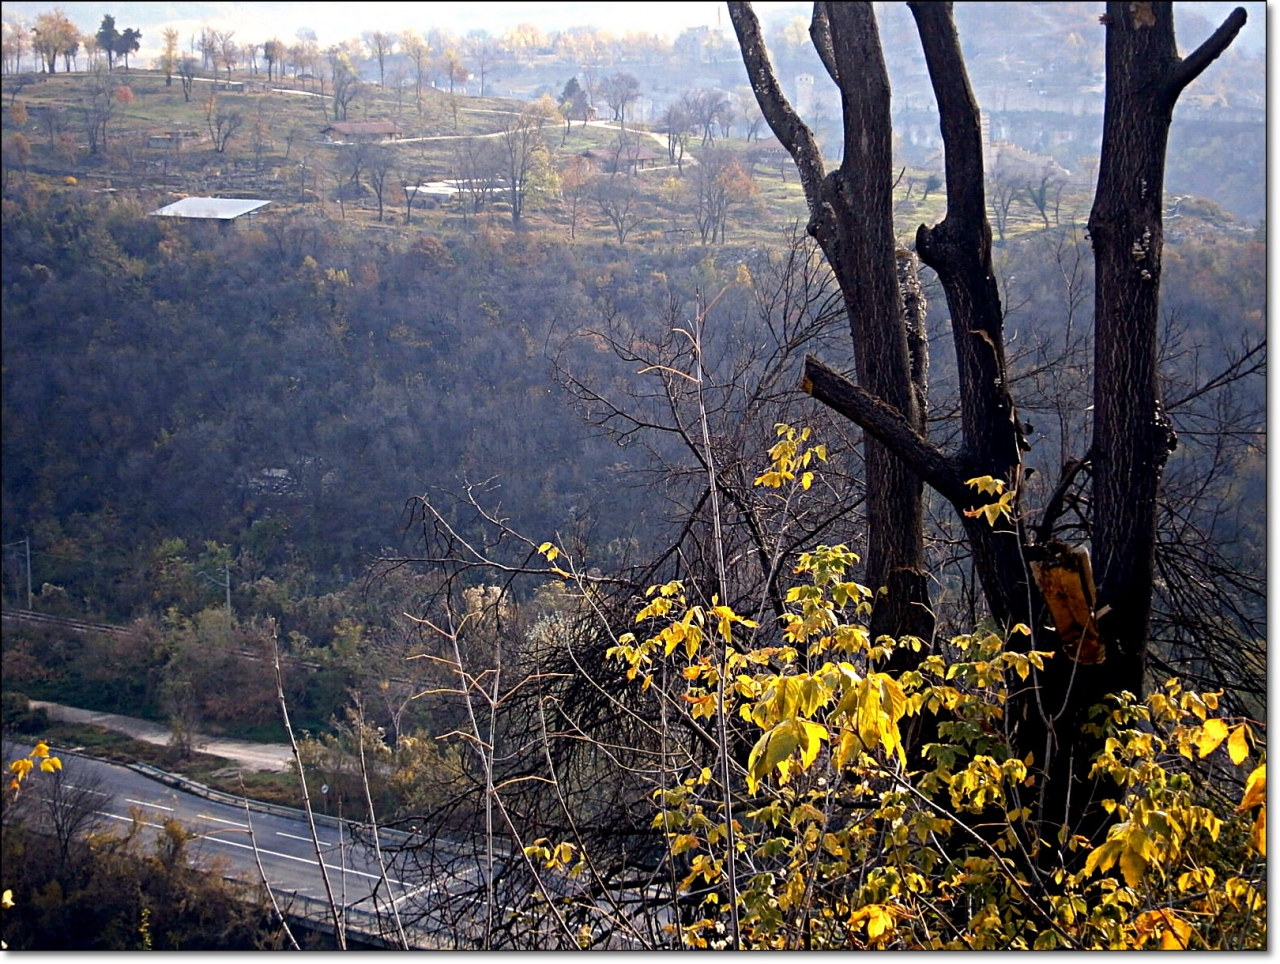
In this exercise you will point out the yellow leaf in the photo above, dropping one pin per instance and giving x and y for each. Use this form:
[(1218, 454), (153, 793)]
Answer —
[(986, 484), (1258, 836), (564, 852), (1238, 744), (1133, 866), (1177, 933), (684, 842), (878, 917), (1214, 732), (7, 901), (51, 765), (1255, 790), (878, 923), (550, 551), (773, 748), (1101, 858), (41, 750), (806, 480), (814, 734)]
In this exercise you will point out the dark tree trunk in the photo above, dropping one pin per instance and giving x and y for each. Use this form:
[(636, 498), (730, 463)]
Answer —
[(1132, 438), (851, 216), (959, 250)]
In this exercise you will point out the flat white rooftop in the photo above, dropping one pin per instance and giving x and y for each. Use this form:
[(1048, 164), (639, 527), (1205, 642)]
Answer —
[(220, 208)]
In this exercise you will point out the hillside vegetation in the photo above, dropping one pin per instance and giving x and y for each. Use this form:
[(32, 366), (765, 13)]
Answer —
[(489, 432)]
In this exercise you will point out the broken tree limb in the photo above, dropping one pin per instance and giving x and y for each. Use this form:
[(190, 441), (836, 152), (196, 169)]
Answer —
[(884, 422)]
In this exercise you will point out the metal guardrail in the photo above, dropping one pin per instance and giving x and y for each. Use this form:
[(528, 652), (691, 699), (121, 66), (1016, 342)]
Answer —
[(316, 911)]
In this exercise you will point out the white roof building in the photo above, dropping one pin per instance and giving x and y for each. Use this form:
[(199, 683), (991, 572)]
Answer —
[(214, 208)]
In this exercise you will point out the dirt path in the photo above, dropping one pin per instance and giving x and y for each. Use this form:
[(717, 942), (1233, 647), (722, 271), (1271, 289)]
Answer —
[(255, 756)]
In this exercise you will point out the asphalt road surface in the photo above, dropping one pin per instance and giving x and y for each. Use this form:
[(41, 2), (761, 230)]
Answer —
[(226, 837)]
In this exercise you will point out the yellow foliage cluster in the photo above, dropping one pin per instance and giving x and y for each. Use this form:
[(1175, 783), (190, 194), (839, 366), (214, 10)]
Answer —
[(787, 457), (39, 755), (849, 842)]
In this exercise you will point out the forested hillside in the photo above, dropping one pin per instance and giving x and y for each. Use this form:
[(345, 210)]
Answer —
[(537, 467), (272, 398)]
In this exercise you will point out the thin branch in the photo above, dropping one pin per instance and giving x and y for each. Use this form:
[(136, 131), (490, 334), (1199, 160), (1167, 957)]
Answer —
[(262, 873), (373, 824), (339, 928)]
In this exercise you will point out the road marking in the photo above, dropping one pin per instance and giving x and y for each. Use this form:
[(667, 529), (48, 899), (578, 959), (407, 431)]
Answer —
[(205, 816), (302, 860), (116, 816), (281, 833), (143, 803), (413, 893), (96, 793)]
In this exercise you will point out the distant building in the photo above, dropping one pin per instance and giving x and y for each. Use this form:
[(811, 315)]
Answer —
[(224, 210), (804, 95), (363, 131), (173, 140), (631, 157)]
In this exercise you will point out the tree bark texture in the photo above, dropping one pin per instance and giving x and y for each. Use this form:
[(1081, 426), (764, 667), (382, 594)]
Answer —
[(1132, 438), (851, 216), (959, 250)]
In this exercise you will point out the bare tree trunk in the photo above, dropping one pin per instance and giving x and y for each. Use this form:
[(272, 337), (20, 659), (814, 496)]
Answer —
[(851, 216), (959, 250), (1132, 437)]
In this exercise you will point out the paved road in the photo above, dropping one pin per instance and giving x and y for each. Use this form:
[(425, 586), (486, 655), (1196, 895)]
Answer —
[(253, 756), (227, 834), (226, 837)]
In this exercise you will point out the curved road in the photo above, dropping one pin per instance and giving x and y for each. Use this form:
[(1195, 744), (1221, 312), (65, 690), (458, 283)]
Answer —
[(226, 838), (253, 756)]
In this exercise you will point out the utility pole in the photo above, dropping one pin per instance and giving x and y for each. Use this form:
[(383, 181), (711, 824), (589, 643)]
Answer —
[(26, 543), (225, 582)]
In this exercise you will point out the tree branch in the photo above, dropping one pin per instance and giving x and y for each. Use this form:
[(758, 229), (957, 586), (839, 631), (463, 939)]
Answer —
[(1193, 66), (887, 425), (792, 132), (1053, 509), (820, 34)]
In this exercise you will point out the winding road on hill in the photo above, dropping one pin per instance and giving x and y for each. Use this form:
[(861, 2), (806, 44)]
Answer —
[(253, 756)]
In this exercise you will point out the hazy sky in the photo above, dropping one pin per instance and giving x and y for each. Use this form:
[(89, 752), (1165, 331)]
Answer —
[(334, 22)]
